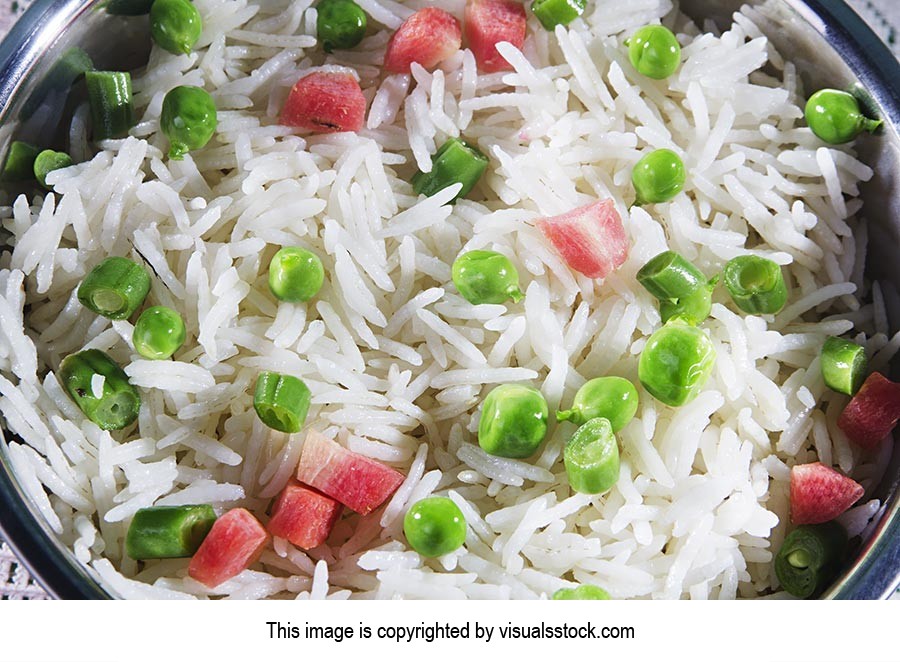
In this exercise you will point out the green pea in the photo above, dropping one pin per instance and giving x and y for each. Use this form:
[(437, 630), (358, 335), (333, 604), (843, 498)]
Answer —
[(175, 25), (612, 398), (676, 363), (658, 177), (48, 161), (340, 24), (591, 457), (513, 421), (583, 592), (435, 526), (654, 51), (295, 274), (486, 277), (158, 333), (188, 119), (835, 117)]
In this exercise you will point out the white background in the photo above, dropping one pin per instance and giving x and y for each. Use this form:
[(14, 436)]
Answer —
[(762, 631)]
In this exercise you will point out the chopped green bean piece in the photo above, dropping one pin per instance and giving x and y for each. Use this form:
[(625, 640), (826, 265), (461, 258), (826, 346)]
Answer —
[(175, 25), (340, 24), (693, 308), (158, 333), (557, 12), (112, 110), (612, 398), (118, 403), (670, 276), (843, 365), (168, 532), (658, 177), (756, 284), (835, 117), (810, 557), (583, 592), (435, 526), (513, 421), (456, 162), (115, 288), (676, 363), (295, 274), (281, 401), (48, 161), (486, 277), (654, 51), (19, 166), (591, 457)]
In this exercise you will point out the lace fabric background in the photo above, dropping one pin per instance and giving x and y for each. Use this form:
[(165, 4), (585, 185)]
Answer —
[(15, 582)]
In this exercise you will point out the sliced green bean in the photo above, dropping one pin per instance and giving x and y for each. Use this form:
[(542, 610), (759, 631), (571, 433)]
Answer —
[(843, 365), (168, 532), (281, 401), (115, 288), (810, 557), (456, 162), (19, 165), (118, 403), (112, 110), (756, 284)]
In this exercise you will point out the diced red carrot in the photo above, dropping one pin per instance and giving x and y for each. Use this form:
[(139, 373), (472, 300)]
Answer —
[(234, 543), (325, 102), (358, 482), (487, 23), (428, 37), (873, 412), (819, 493), (303, 516), (591, 239)]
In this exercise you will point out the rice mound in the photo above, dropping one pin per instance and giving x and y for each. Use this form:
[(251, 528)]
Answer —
[(397, 361)]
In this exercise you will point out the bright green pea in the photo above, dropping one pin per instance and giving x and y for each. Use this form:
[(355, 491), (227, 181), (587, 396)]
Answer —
[(513, 421), (654, 51), (48, 161), (612, 398), (188, 119), (658, 177), (340, 24), (175, 25), (435, 526), (591, 457), (676, 363), (835, 117), (583, 592), (486, 277), (295, 274), (158, 333)]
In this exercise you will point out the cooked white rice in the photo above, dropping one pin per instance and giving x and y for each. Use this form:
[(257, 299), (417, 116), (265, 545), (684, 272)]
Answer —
[(396, 360)]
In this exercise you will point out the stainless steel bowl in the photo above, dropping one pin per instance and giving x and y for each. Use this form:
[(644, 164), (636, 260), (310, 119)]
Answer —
[(831, 46)]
